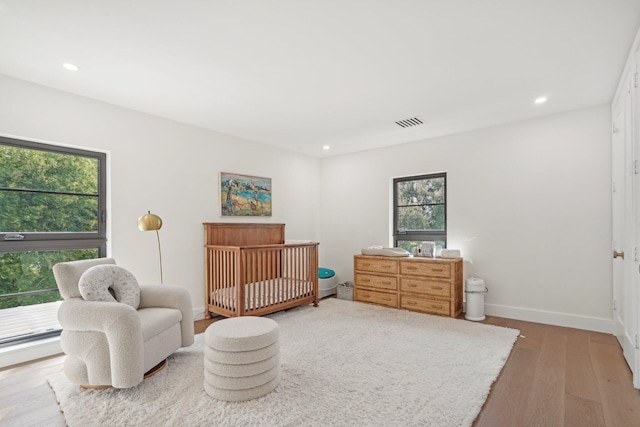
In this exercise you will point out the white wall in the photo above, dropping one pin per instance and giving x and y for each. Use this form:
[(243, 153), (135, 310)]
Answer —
[(166, 167), (529, 206), (529, 202)]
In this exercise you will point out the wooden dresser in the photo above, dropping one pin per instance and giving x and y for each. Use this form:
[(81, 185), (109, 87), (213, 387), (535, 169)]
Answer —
[(429, 285)]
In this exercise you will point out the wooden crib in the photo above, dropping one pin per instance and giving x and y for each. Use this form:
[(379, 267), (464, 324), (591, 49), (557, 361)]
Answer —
[(250, 271)]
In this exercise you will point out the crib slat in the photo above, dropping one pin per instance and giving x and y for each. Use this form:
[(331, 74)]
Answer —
[(270, 281), (300, 276)]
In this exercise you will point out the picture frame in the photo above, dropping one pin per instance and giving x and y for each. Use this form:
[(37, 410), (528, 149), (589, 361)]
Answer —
[(244, 195)]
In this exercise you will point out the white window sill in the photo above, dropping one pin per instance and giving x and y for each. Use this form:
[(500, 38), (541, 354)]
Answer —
[(26, 352)]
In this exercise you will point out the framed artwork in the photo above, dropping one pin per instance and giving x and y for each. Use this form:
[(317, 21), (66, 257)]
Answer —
[(244, 195)]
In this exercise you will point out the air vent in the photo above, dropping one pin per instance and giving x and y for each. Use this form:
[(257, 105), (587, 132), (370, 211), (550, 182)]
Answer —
[(414, 121)]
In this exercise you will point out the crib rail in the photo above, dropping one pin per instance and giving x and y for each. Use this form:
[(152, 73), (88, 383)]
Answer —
[(257, 280)]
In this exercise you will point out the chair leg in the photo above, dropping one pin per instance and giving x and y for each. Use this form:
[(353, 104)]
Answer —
[(95, 387), (159, 367)]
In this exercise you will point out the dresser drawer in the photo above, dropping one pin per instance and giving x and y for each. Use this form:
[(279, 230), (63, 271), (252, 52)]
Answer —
[(382, 298), (425, 286), (431, 269), (373, 281), (425, 305), (377, 265)]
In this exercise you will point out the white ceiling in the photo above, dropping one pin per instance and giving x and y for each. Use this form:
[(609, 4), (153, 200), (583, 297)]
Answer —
[(300, 74)]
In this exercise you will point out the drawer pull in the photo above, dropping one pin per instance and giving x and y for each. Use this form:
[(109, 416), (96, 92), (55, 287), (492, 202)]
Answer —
[(386, 283), (366, 280), (437, 270), (386, 266), (412, 268), (411, 302), (437, 288)]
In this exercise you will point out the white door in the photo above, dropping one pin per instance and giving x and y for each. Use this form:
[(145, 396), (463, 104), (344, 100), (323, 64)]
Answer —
[(618, 245), (626, 226), (632, 349)]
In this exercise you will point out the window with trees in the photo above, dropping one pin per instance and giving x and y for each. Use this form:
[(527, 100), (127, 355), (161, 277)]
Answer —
[(52, 209), (420, 210)]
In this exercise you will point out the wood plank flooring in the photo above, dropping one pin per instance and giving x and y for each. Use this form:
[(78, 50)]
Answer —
[(554, 377), (561, 377)]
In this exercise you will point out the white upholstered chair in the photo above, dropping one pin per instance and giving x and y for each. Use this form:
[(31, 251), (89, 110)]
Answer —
[(111, 343)]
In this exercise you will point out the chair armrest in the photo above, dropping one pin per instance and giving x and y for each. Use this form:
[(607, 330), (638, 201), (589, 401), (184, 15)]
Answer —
[(171, 296), (120, 324), (76, 314)]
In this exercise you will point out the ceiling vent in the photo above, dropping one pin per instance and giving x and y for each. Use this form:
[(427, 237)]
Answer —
[(406, 123)]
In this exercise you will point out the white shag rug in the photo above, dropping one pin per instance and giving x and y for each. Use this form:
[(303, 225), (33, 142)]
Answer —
[(343, 364)]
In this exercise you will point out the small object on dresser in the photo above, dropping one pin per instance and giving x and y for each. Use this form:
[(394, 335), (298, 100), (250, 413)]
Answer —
[(450, 253), (379, 250), (427, 249), (345, 291)]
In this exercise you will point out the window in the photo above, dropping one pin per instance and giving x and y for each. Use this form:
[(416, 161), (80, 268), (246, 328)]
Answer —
[(420, 210), (52, 209)]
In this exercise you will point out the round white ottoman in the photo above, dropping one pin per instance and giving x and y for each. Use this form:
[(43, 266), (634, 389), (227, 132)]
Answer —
[(241, 358)]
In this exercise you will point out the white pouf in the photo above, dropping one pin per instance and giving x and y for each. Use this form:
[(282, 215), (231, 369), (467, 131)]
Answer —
[(242, 358)]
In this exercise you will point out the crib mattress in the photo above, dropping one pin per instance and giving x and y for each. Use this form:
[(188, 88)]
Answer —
[(265, 293)]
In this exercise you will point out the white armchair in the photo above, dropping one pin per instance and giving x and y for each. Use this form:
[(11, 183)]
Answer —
[(111, 343)]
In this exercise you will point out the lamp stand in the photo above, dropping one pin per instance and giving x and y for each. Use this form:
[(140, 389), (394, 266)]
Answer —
[(159, 255), (152, 222)]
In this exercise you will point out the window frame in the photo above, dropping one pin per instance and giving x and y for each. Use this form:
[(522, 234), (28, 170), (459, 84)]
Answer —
[(55, 241), (33, 241), (418, 235)]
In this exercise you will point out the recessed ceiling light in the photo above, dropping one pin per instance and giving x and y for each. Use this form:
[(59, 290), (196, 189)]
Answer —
[(70, 67), (540, 100), (326, 147)]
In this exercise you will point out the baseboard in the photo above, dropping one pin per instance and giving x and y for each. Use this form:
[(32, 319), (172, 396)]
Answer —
[(29, 351), (595, 324), (198, 313)]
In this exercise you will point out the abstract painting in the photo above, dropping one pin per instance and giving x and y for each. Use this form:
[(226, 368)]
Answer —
[(245, 195)]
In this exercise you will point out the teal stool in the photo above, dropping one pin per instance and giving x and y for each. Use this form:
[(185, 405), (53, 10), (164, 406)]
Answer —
[(327, 282), (325, 273)]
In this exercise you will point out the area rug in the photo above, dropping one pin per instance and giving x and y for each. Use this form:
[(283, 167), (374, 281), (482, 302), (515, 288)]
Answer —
[(343, 364)]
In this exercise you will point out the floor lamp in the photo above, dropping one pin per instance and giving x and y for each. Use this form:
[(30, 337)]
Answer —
[(152, 222)]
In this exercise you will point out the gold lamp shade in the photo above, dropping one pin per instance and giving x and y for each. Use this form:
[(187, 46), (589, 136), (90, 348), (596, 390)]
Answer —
[(149, 222), (152, 222)]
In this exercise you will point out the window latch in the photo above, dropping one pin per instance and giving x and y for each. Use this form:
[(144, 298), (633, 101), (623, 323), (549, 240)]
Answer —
[(13, 236)]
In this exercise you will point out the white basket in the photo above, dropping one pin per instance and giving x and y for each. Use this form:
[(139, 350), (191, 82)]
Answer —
[(345, 291)]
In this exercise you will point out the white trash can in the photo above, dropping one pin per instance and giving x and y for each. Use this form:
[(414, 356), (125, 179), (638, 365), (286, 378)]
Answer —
[(475, 289)]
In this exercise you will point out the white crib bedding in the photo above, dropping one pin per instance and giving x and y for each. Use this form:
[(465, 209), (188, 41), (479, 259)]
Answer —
[(265, 293)]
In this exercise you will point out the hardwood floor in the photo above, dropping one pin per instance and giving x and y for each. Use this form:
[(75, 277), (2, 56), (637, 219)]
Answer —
[(561, 377), (554, 377)]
